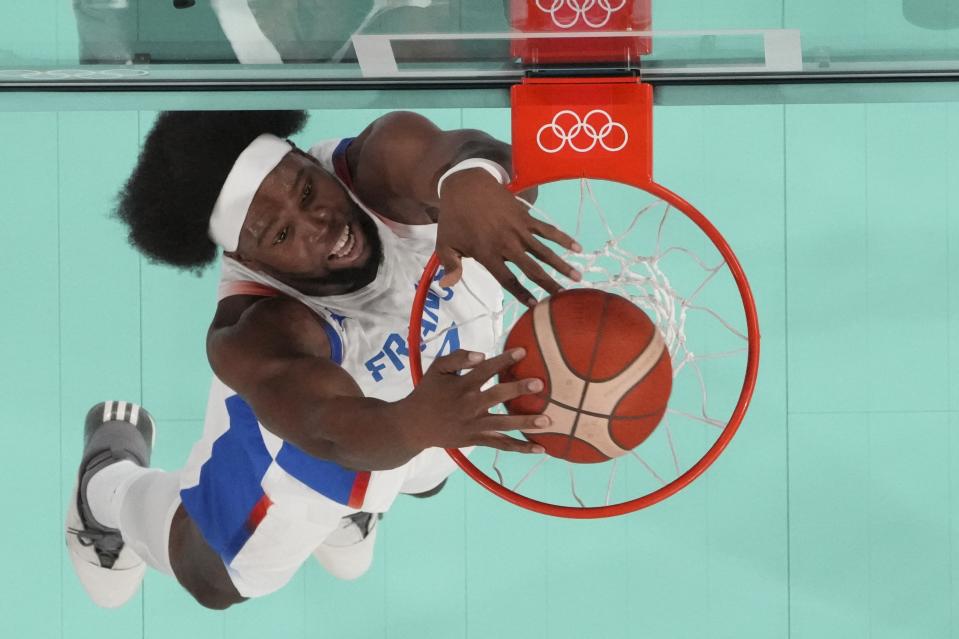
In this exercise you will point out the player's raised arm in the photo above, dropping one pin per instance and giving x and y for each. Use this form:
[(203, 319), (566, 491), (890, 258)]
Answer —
[(275, 353), (460, 175)]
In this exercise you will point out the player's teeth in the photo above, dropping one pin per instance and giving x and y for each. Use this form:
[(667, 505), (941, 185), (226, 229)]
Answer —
[(345, 245), (340, 243)]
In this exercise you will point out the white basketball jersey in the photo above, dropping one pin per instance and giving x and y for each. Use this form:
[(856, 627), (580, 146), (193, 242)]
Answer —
[(367, 330), (370, 325)]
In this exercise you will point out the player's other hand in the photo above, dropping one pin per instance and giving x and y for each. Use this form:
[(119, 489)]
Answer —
[(450, 408), (480, 218)]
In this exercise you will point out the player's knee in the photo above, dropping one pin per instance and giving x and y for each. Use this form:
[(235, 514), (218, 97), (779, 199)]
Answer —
[(209, 590), (213, 598), (198, 567), (431, 491)]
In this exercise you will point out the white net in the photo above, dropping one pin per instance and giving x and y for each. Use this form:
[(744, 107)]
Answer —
[(640, 247)]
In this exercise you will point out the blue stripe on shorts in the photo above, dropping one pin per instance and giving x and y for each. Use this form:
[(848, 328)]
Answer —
[(325, 477), (230, 482)]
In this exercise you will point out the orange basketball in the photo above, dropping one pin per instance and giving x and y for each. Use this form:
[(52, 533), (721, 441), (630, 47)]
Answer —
[(605, 369)]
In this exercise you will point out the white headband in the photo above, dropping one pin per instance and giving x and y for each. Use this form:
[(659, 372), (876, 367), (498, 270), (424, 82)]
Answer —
[(248, 172)]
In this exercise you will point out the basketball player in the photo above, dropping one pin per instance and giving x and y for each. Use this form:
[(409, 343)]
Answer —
[(312, 426)]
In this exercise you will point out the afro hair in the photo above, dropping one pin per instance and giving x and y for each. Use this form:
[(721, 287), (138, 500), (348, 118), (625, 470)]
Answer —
[(167, 201)]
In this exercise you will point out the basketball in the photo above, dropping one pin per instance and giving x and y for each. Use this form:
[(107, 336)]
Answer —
[(606, 374)]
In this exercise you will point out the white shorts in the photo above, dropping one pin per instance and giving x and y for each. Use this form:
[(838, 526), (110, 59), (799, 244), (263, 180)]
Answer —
[(265, 506)]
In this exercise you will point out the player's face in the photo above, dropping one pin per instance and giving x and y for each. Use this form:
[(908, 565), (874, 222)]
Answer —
[(303, 229)]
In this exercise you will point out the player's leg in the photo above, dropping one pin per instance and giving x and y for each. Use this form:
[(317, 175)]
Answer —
[(347, 553), (432, 492), (428, 472), (199, 568), (124, 516), (118, 441)]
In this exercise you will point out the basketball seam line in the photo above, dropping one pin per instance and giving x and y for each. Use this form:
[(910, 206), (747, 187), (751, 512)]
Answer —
[(589, 372), (579, 410), (601, 415), (559, 347), (539, 343), (652, 337), (652, 368), (582, 442)]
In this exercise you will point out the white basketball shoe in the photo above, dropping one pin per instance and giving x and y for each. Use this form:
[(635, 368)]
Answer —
[(108, 569), (348, 552)]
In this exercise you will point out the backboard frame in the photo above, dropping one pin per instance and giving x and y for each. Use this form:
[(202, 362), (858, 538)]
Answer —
[(376, 55)]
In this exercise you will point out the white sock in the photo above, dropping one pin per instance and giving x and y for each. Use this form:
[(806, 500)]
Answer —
[(140, 502), (105, 487)]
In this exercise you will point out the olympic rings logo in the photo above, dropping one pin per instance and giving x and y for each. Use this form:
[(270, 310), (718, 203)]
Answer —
[(72, 74), (595, 132), (566, 13)]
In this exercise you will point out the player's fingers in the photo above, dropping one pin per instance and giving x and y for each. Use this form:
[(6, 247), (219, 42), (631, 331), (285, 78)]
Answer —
[(457, 361), (482, 371), (543, 252), (508, 281), (452, 265), (504, 442), (553, 234), (535, 272), (511, 390), (531, 423)]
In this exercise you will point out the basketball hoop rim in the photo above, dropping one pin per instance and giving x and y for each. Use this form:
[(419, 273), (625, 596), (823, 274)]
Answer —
[(739, 412)]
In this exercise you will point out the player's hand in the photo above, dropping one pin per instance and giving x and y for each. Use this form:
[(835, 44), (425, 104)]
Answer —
[(480, 218), (450, 408)]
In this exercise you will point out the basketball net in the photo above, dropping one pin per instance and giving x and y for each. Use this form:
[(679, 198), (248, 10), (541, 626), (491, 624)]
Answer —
[(586, 145)]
